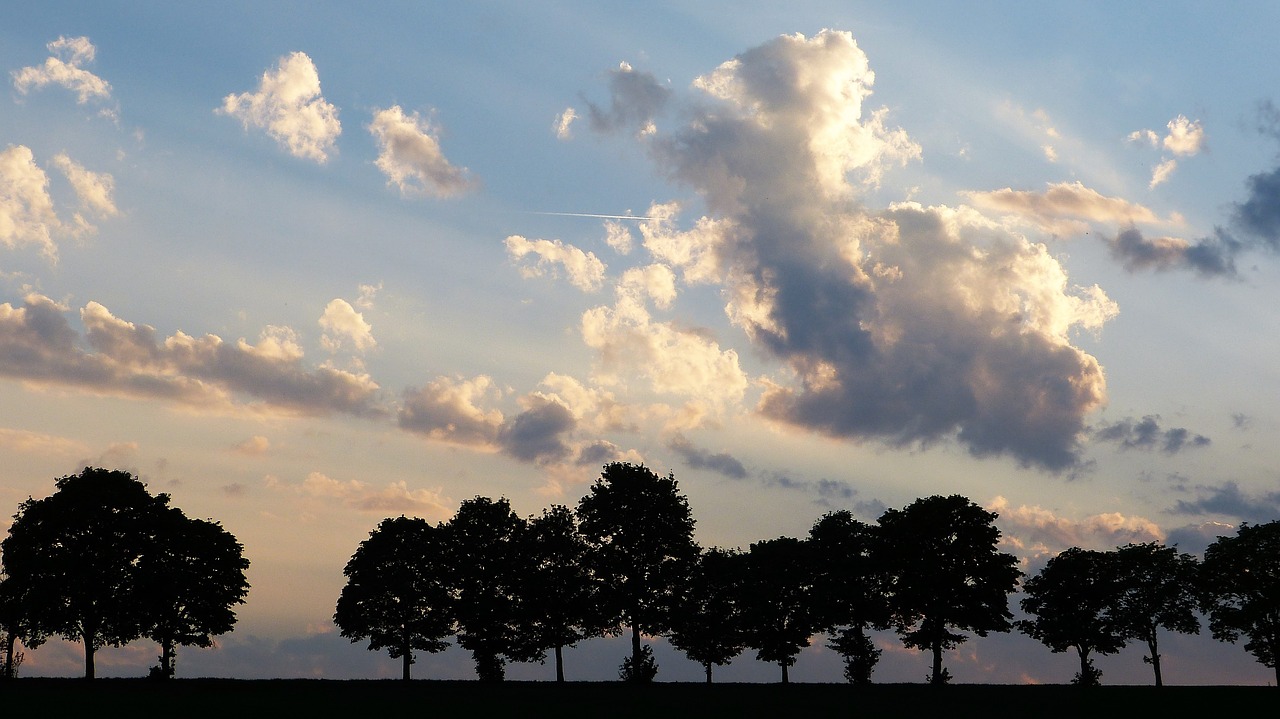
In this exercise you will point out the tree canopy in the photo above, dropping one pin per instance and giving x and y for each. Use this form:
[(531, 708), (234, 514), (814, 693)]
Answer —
[(708, 623), (1240, 590), (560, 592), (1157, 590), (1071, 602), (778, 612), (850, 586)]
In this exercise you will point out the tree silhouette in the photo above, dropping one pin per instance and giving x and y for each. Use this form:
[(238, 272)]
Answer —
[(560, 593), (945, 574), (1071, 600), (75, 557), (489, 564), (707, 624), (1240, 590), (14, 626), (850, 588), (1157, 591), (640, 530), (778, 612), (397, 595), (189, 579)]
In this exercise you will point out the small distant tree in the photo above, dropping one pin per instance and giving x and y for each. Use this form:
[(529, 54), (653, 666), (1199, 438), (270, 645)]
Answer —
[(190, 579), (489, 566), (397, 594), (13, 627), (1157, 587), (1071, 601), (560, 592), (850, 589), (778, 612), (76, 558), (707, 624), (1240, 590), (640, 530), (946, 575)]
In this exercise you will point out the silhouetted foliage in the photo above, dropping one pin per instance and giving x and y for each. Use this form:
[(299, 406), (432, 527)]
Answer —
[(1072, 600), (190, 578), (1240, 590), (13, 627), (850, 586), (639, 668), (1157, 591), (708, 624), (560, 593), (489, 567), (397, 593), (75, 557), (945, 574), (640, 530), (778, 612)]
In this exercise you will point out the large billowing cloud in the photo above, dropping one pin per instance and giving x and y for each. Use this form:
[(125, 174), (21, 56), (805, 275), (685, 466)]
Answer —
[(64, 68), (908, 326), (289, 106), (38, 345), (409, 155)]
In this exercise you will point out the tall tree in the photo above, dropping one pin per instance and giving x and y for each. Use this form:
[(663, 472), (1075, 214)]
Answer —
[(640, 530), (1071, 601), (778, 612), (1157, 591), (850, 588), (397, 593), (190, 578), (1240, 590), (560, 593), (707, 623), (489, 566), (76, 557), (946, 575)]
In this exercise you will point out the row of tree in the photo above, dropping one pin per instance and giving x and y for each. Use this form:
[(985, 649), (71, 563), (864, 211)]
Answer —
[(103, 562), (625, 561)]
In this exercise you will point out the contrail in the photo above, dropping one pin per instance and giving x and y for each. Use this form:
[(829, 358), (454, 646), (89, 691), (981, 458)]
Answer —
[(603, 217)]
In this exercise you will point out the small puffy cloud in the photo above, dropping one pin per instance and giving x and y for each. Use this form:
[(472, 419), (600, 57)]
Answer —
[(392, 498), (583, 269), (453, 409), (1149, 137), (562, 123), (1231, 501), (115, 357), (367, 295), (64, 68), (27, 216), (1162, 172), (93, 189), (409, 155), (1147, 434), (636, 98), (1065, 208), (255, 446), (538, 433), (1034, 531), (698, 458), (1209, 256), (289, 106), (1050, 153), (696, 251), (1186, 137), (618, 236), (344, 326)]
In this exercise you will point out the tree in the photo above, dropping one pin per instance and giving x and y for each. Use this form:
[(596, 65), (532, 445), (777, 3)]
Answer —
[(849, 589), (397, 594), (1157, 591), (75, 556), (190, 578), (945, 574), (778, 614), (489, 566), (1240, 590), (640, 530), (707, 624), (14, 627), (1071, 600), (560, 593)]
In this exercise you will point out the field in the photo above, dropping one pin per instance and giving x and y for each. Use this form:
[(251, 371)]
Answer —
[(292, 697)]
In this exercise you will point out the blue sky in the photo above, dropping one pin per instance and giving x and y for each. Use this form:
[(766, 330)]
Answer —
[(304, 268)]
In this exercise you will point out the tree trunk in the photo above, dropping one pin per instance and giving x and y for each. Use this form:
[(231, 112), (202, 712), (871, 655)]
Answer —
[(9, 640), (88, 659), (785, 678), (707, 666), (635, 647), (167, 658), (1086, 671), (1155, 659), (406, 660), (559, 664), (937, 662)]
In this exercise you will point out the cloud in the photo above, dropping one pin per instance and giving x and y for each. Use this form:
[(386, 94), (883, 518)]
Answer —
[(562, 123), (697, 458), (27, 216), (255, 446), (367, 295), (93, 190), (537, 434), (392, 498), (64, 68), (1066, 208), (1034, 531), (636, 98), (409, 155), (584, 270), (1209, 256), (451, 409), (1186, 137), (28, 442), (1162, 172), (1229, 500), (289, 106), (114, 357), (342, 325), (1147, 434)]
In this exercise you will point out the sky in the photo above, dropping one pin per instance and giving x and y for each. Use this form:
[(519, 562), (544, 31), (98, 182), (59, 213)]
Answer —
[(303, 268)]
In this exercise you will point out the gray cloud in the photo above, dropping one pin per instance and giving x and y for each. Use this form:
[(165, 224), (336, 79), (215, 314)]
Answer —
[(1147, 434), (697, 458), (636, 98), (1229, 500), (1208, 256), (537, 434)]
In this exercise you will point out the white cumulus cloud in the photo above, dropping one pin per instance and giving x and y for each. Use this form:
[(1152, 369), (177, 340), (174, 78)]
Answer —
[(342, 325), (409, 155), (64, 68), (583, 269), (289, 106)]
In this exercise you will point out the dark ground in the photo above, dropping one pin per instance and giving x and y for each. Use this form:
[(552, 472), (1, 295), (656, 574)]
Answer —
[(228, 699)]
